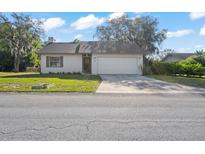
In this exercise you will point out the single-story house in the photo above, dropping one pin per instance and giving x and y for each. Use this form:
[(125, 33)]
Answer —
[(94, 57), (176, 57)]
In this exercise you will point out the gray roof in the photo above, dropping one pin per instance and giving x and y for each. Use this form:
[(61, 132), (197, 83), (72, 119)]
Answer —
[(178, 56), (96, 47), (60, 48)]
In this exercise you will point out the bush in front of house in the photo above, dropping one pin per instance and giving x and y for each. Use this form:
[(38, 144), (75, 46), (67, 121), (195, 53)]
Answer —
[(198, 70), (186, 67), (32, 69), (190, 66), (162, 68), (175, 68)]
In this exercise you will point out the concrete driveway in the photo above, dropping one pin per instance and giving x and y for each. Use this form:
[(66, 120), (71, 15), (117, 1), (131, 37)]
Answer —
[(141, 84)]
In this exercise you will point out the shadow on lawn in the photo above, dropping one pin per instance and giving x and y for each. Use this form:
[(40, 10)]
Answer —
[(60, 76)]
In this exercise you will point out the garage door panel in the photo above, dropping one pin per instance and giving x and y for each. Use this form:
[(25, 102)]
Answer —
[(117, 66)]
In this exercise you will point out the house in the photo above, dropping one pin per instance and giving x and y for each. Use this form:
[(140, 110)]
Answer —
[(175, 57), (92, 57)]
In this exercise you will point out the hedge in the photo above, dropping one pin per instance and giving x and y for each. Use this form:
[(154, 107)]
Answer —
[(186, 67), (161, 68)]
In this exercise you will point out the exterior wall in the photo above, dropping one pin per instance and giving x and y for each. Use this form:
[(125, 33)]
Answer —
[(71, 63), (96, 57)]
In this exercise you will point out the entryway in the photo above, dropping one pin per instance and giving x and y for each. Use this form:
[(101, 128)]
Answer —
[(86, 63)]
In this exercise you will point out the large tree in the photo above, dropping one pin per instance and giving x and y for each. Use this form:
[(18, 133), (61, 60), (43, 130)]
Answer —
[(6, 59), (142, 31), (34, 56), (20, 32)]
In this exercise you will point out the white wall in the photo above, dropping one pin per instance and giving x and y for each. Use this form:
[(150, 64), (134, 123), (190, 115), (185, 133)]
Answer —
[(71, 63), (121, 66)]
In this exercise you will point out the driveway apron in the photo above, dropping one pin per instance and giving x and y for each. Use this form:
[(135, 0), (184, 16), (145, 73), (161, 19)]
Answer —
[(141, 85)]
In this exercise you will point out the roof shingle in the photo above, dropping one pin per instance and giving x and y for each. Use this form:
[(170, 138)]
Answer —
[(95, 47)]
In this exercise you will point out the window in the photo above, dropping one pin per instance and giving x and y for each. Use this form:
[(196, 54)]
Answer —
[(54, 61)]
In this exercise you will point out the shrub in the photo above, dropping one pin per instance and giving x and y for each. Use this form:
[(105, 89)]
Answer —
[(158, 67), (192, 69), (147, 64), (32, 69), (76, 73), (199, 70), (187, 67), (175, 68), (188, 61), (190, 66)]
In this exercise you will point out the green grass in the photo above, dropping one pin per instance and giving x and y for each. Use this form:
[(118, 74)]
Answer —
[(195, 82), (22, 82)]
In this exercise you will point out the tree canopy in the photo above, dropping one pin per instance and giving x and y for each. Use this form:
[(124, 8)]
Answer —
[(142, 31), (20, 33)]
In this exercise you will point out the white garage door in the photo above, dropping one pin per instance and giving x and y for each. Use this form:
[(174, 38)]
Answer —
[(118, 66)]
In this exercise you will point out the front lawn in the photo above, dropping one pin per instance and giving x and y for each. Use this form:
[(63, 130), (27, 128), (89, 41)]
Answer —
[(22, 82), (196, 82)]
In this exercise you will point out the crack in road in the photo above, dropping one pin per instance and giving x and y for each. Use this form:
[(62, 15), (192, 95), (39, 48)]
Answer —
[(87, 125), (41, 129)]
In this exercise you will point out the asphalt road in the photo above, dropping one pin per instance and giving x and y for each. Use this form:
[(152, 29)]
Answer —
[(101, 117)]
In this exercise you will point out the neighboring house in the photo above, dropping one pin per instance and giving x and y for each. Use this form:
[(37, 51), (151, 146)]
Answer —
[(92, 57), (175, 57)]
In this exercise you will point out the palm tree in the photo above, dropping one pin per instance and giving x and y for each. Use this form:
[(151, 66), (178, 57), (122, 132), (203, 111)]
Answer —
[(200, 56), (200, 52)]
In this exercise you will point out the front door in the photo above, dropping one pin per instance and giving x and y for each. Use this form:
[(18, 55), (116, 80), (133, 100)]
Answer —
[(86, 63)]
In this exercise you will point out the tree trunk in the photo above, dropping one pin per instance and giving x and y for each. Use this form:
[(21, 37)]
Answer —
[(16, 63), (144, 66)]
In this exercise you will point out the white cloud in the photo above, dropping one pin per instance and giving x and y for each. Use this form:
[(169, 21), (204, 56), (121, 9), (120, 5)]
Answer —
[(89, 21), (78, 36), (196, 15), (52, 23), (181, 50), (138, 12), (116, 15), (180, 33), (198, 46), (202, 30)]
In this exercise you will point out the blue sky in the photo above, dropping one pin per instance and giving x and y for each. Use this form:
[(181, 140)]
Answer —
[(186, 31)]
